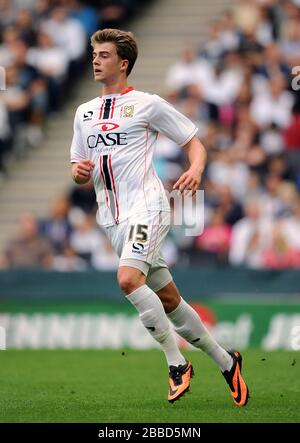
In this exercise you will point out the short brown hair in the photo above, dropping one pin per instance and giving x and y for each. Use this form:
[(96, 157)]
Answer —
[(125, 44)]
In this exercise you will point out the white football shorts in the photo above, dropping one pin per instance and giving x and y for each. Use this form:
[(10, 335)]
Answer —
[(138, 240)]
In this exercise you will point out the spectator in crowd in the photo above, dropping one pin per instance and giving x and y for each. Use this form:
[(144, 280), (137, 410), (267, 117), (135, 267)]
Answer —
[(246, 15), (86, 15), (83, 197), (57, 227), (291, 136), (189, 70), (52, 62), (29, 249), (68, 261), (274, 106), (280, 254), (215, 240), (213, 48), (7, 13), (5, 136), (271, 140), (115, 12), (26, 30), (274, 204), (87, 239), (291, 226), (230, 35), (41, 10), (105, 258), (231, 209), (226, 169), (290, 42), (250, 236), (272, 63), (16, 102), (64, 31), (31, 81)]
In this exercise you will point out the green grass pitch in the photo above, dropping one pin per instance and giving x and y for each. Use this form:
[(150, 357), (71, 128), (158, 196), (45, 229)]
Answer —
[(131, 387)]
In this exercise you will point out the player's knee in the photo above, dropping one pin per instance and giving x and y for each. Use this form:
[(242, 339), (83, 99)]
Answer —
[(127, 285), (129, 281)]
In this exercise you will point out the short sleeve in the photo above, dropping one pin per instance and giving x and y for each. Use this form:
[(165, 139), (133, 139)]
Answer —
[(164, 118), (77, 147)]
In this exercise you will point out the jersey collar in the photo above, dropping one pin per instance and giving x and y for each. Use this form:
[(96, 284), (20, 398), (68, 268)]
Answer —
[(128, 89)]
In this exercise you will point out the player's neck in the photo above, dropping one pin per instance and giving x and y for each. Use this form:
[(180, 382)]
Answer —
[(115, 88)]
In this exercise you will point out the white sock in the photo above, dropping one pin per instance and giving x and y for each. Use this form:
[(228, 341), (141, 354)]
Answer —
[(189, 325), (154, 319)]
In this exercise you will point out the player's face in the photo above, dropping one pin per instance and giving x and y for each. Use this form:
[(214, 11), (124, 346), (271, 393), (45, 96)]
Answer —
[(107, 65)]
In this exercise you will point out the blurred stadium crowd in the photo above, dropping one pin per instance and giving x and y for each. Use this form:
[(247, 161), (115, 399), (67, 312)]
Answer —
[(238, 87), (44, 45)]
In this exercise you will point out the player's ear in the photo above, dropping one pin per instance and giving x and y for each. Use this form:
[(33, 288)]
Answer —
[(124, 65)]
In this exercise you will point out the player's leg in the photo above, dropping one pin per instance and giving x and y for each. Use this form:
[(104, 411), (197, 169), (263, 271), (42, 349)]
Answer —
[(132, 282), (186, 321), (134, 265), (189, 325)]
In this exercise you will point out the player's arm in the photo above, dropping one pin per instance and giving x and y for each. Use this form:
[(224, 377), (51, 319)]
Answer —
[(81, 166), (197, 157), (164, 118), (81, 171)]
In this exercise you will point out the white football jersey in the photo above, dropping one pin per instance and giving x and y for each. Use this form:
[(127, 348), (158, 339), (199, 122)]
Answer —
[(118, 133)]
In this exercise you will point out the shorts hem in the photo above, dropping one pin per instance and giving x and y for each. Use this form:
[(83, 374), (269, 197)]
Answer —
[(134, 263), (162, 285)]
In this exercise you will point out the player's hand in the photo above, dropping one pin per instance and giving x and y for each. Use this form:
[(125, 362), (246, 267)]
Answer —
[(189, 180), (81, 171)]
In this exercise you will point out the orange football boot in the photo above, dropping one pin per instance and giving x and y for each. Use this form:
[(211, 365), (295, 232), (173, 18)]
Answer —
[(179, 380), (239, 389)]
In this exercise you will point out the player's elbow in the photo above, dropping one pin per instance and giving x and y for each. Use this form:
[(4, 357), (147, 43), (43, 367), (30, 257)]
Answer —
[(195, 144), (196, 151)]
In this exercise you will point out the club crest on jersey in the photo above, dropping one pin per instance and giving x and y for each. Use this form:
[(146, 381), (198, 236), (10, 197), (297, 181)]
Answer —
[(128, 111)]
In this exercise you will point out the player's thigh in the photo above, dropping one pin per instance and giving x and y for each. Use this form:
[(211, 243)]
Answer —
[(117, 236), (130, 274)]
